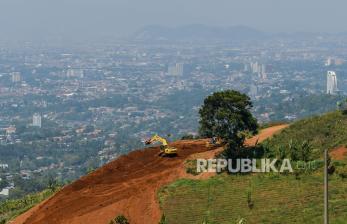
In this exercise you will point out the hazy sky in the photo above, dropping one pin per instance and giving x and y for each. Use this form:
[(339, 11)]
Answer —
[(95, 18)]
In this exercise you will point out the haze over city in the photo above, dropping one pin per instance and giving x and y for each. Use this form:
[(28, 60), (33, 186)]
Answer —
[(124, 111), (93, 20)]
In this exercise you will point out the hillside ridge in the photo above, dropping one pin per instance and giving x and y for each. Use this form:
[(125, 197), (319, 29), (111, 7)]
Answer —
[(127, 185)]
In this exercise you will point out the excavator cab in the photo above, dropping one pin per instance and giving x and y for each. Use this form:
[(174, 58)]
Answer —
[(165, 149), (169, 151)]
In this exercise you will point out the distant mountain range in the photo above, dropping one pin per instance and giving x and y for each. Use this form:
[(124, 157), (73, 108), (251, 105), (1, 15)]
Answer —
[(197, 32), (215, 33)]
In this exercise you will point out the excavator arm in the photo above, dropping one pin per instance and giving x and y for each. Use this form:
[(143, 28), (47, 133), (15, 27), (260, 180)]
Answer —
[(157, 138), (165, 148)]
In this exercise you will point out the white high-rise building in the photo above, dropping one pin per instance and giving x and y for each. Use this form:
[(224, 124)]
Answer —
[(16, 76), (262, 73), (176, 70), (331, 83), (329, 61), (255, 67), (180, 69), (37, 120)]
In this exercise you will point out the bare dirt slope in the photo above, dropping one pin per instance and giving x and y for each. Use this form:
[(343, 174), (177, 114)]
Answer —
[(126, 186), (265, 133), (339, 153)]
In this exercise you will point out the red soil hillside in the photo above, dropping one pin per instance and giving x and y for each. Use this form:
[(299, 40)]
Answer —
[(265, 133), (126, 186), (339, 153)]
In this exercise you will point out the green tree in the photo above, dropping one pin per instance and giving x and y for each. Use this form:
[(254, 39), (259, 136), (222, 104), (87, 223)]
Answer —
[(227, 115), (3, 183), (52, 183)]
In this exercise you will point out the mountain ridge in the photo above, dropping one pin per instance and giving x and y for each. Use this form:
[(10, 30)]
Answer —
[(197, 32)]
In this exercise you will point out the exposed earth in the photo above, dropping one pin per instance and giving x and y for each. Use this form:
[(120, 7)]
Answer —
[(339, 153), (127, 185)]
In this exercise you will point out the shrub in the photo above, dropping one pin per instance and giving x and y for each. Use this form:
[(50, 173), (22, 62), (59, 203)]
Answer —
[(189, 137), (163, 219), (191, 167), (342, 172), (331, 170), (120, 219)]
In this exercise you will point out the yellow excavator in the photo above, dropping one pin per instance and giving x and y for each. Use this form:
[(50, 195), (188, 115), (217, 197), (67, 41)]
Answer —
[(166, 150)]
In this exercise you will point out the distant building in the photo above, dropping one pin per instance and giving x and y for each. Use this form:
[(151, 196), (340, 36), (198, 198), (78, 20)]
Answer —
[(339, 61), (75, 73), (16, 77), (255, 67), (3, 166), (253, 91), (10, 130), (176, 70), (328, 62), (5, 192), (263, 72), (259, 69), (334, 61), (331, 83), (245, 68), (37, 120)]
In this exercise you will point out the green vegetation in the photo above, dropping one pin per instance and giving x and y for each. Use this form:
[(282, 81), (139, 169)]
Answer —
[(163, 219), (120, 219), (342, 172), (190, 166), (315, 134), (35, 184), (270, 197), (300, 105), (189, 137), (263, 198), (9, 209), (226, 115)]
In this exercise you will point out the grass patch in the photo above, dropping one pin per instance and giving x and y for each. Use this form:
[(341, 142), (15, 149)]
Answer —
[(321, 132), (274, 198), (10, 209)]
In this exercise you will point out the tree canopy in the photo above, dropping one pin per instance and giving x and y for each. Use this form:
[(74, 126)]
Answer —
[(227, 115)]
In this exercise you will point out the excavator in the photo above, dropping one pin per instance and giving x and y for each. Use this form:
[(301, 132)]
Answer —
[(214, 142), (166, 150)]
